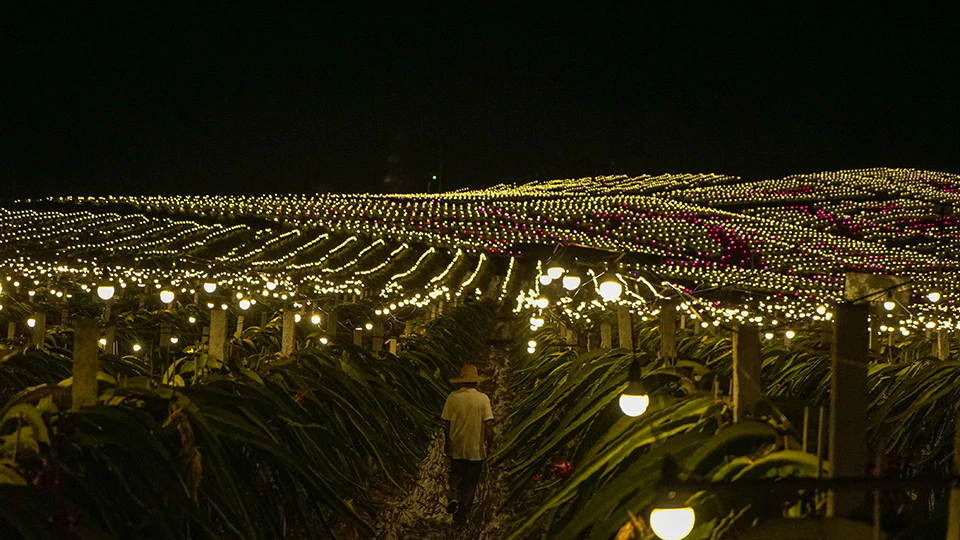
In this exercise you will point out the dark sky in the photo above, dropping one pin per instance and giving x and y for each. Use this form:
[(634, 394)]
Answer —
[(218, 99)]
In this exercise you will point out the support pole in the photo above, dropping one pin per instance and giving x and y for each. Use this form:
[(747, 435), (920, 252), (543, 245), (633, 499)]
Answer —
[(85, 363), (11, 331), (848, 403), (625, 327), (606, 336), (240, 321), (943, 345), (39, 329), (218, 334), (377, 344), (333, 324), (953, 521), (110, 337), (358, 337), (392, 346), (289, 339), (668, 329), (165, 332), (747, 391)]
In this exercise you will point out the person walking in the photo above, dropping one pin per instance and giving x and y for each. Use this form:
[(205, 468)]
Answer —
[(468, 440)]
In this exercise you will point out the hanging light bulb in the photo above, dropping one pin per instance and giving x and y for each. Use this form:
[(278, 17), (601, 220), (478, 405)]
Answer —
[(610, 287), (174, 340), (368, 326), (244, 304), (315, 318), (31, 322), (323, 340), (571, 281), (889, 305), (545, 280), (541, 302), (555, 271), (166, 296), (191, 319), (105, 291), (933, 296), (634, 400), (136, 347), (671, 521), (209, 287), (790, 334), (271, 285), (297, 317)]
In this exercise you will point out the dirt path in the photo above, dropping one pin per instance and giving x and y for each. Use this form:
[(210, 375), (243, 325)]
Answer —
[(420, 512)]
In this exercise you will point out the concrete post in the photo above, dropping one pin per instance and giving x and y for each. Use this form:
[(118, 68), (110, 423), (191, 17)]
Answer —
[(668, 329), (333, 324), (953, 521), (747, 390), (218, 334), (606, 336), (943, 345), (110, 337), (377, 344), (392, 346), (848, 403), (625, 327), (11, 331), (39, 329), (165, 332), (289, 339), (240, 321), (85, 363), (358, 337)]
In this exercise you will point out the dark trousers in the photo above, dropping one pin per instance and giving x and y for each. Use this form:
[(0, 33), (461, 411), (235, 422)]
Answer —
[(464, 477)]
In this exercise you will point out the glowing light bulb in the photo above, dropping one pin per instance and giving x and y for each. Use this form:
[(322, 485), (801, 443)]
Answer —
[(103, 342), (136, 347), (545, 280), (611, 289), (244, 304), (790, 334), (174, 340), (555, 271), (933, 296), (541, 302), (31, 322), (531, 344), (821, 310), (105, 292), (672, 523), (571, 282), (324, 340), (271, 285), (368, 326), (209, 287), (191, 319), (315, 318), (166, 296), (297, 317), (889, 305)]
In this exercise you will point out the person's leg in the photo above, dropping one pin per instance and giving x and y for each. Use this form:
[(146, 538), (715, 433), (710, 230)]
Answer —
[(455, 483), (471, 479)]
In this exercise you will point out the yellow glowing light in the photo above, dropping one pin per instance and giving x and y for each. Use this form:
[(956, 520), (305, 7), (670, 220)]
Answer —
[(672, 523)]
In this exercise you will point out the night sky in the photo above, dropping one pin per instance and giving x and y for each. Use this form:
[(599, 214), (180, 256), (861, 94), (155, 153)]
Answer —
[(217, 99)]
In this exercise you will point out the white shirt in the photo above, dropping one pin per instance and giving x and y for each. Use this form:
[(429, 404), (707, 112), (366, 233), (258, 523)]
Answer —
[(466, 410)]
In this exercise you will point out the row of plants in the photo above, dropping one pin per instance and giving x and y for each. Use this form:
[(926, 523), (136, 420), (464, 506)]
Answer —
[(254, 447), (579, 468)]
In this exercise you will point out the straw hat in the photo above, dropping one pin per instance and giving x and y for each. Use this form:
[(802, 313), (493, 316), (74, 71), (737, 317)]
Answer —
[(468, 374)]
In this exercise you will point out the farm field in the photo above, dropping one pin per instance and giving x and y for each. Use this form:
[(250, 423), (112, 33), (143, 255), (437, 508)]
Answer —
[(274, 366)]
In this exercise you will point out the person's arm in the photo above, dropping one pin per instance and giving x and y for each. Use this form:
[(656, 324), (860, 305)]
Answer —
[(447, 446), (488, 437)]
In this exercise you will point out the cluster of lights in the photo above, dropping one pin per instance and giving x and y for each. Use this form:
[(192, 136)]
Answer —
[(791, 239)]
